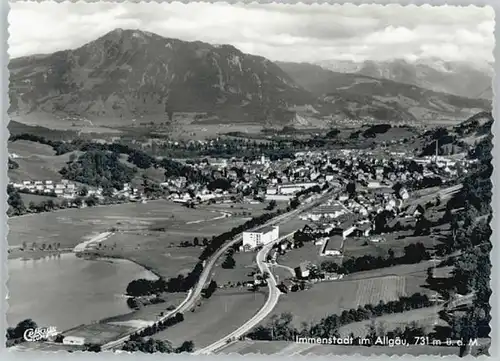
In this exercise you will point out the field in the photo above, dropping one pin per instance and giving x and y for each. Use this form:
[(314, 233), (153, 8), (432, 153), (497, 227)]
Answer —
[(98, 332), (149, 313), (358, 247), (292, 225), (245, 263), (26, 148), (373, 290), (285, 348), (333, 297), (157, 251), (50, 121), (36, 162), (35, 198), (218, 316), (309, 252), (72, 226), (424, 317)]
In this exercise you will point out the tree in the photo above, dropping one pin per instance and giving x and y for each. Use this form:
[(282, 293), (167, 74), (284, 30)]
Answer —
[(92, 201), (381, 220), (422, 227), (396, 188), (351, 189), (329, 266), (15, 202), (271, 205), (187, 346), (294, 203), (83, 191), (22, 327), (229, 262)]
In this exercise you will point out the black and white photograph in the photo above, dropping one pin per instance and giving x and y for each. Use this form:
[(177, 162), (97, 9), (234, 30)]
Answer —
[(275, 179)]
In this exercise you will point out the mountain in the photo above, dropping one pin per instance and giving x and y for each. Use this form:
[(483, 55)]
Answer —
[(128, 73), (461, 138), (458, 78), (385, 98)]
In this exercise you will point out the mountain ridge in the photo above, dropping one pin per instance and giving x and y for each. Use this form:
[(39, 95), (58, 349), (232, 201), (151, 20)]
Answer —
[(121, 69), (460, 78), (130, 73), (418, 103)]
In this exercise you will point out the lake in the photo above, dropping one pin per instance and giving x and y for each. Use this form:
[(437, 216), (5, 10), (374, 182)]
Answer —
[(66, 291)]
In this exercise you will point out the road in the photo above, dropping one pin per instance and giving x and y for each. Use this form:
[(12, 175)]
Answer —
[(274, 292), (195, 293), (81, 247), (271, 302)]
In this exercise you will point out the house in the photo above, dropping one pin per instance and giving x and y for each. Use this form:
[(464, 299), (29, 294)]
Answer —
[(377, 239), (302, 271), (73, 340), (286, 285), (271, 190), (373, 185), (403, 193), (343, 197), (415, 210), (260, 236), (333, 246), (345, 228), (363, 229)]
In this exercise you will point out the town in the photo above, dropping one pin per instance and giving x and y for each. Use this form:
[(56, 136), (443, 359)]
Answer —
[(263, 184)]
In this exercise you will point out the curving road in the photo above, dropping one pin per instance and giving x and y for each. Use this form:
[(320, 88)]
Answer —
[(271, 301), (195, 292), (274, 292)]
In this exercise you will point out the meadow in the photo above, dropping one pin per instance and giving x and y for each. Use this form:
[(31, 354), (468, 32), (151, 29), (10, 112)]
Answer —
[(215, 318), (359, 289)]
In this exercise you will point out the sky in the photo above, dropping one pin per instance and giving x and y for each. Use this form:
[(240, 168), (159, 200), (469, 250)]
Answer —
[(299, 33)]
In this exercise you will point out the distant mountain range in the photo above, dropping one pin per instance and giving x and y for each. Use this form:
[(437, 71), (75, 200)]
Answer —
[(458, 78), (130, 73)]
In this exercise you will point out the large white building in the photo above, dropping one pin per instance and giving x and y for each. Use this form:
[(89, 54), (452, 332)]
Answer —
[(260, 236)]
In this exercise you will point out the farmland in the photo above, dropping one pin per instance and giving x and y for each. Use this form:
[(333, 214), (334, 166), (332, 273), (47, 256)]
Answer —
[(72, 226), (424, 317), (98, 332), (36, 162), (309, 252), (333, 297), (245, 263), (218, 316), (286, 348), (397, 241), (385, 289)]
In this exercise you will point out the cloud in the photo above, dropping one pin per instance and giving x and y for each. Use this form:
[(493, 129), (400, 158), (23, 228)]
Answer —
[(280, 32)]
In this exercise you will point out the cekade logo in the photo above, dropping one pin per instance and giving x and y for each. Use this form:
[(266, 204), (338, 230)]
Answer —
[(37, 334)]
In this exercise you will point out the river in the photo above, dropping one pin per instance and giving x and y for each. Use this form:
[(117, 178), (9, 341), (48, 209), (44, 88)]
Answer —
[(65, 291)]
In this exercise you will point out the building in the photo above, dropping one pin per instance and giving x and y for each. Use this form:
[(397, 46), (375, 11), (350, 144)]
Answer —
[(363, 229), (345, 228), (333, 247), (73, 340), (260, 236), (302, 271), (292, 188)]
